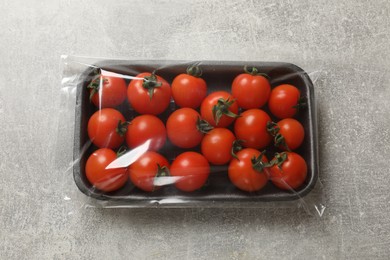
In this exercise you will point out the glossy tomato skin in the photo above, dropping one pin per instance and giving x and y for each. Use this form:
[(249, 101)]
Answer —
[(145, 169), (206, 108), (251, 127), (188, 91), (111, 93), (182, 128), (139, 97), (283, 100), (243, 175), (101, 178), (292, 173), (251, 91), (193, 170), (217, 146), (103, 128), (146, 127), (292, 131)]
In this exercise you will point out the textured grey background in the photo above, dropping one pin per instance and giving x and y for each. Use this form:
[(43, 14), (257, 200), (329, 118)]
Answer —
[(345, 44)]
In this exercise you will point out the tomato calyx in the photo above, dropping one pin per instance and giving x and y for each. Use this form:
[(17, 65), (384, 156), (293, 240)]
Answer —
[(258, 164), (194, 70), (254, 72), (222, 108), (203, 126), (272, 128), (278, 160), (121, 128), (236, 147), (150, 83), (279, 140), (302, 103), (121, 151), (162, 171), (95, 85)]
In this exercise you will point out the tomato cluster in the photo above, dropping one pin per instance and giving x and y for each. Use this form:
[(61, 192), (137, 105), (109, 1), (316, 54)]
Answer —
[(219, 128)]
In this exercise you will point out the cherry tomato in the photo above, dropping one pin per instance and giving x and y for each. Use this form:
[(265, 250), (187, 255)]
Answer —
[(251, 90), (289, 172), (106, 128), (185, 128), (219, 109), (107, 91), (192, 169), (188, 90), (247, 172), (149, 94), (251, 127), (144, 128), (289, 133), (101, 178), (284, 101), (144, 171), (217, 146)]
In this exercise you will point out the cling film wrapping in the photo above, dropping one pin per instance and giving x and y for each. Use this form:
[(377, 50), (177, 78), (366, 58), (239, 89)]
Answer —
[(153, 133)]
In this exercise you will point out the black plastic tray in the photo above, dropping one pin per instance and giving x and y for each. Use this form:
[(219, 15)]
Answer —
[(219, 76)]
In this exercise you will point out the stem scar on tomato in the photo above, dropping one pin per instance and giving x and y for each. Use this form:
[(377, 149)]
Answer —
[(222, 108), (150, 83)]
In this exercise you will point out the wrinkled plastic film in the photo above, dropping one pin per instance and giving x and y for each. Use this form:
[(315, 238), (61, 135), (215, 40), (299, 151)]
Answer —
[(218, 191)]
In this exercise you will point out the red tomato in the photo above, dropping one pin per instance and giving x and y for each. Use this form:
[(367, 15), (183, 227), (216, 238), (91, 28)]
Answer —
[(292, 132), (107, 91), (246, 172), (149, 94), (219, 109), (192, 169), (290, 171), (251, 127), (144, 128), (146, 169), (251, 90), (284, 101), (217, 146), (106, 128), (185, 128), (188, 90), (101, 178)]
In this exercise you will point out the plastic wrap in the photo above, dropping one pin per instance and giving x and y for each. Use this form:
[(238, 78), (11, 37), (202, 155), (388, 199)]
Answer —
[(159, 151)]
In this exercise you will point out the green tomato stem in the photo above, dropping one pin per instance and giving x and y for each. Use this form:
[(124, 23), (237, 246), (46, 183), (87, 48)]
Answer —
[(222, 108), (121, 129), (255, 72), (194, 70), (258, 164), (150, 83)]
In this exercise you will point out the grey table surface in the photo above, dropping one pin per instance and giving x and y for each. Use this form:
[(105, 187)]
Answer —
[(344, 43)]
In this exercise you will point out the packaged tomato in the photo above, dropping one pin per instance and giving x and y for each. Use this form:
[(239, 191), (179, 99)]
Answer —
[(193, 134)]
